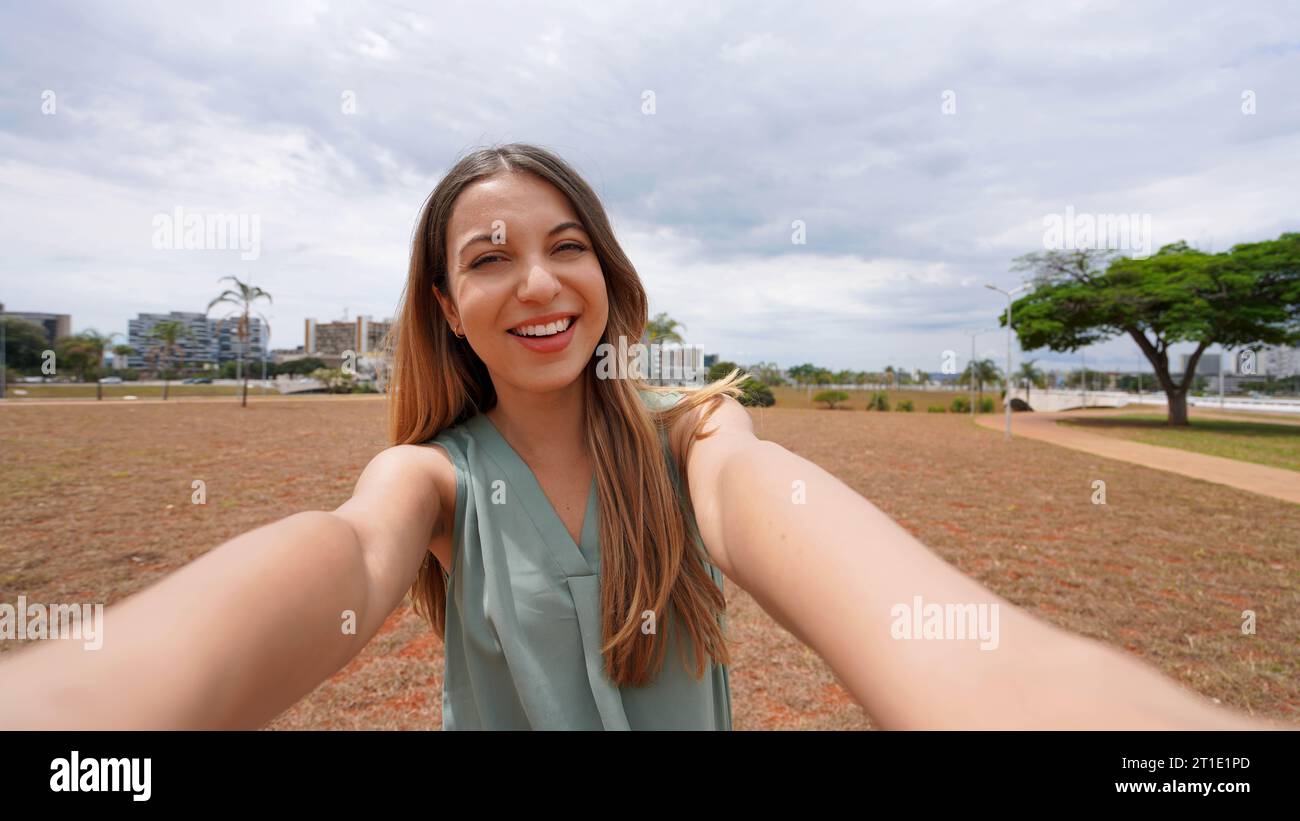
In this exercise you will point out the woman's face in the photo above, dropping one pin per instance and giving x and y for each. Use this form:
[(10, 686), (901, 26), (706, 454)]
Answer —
[(519, 265)]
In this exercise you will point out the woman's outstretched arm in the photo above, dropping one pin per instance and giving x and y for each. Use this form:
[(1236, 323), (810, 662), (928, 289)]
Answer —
[(237, 636), (839, 574)]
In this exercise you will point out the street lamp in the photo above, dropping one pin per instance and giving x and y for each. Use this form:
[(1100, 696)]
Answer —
[(1008, 294)]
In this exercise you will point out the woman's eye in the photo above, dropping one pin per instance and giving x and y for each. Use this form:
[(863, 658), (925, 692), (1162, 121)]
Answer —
[(564, 246)]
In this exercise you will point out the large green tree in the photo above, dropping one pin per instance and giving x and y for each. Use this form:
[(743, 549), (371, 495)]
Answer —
[(1246, 296), (24, 343)]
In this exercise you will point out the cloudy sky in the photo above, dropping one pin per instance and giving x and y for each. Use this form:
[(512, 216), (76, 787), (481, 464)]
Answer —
[(922, 146)]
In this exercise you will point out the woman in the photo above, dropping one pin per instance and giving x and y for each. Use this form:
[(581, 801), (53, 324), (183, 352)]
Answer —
[(554, 519)]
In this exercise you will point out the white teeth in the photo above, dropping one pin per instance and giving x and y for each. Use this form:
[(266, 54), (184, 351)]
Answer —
[(548, 329)]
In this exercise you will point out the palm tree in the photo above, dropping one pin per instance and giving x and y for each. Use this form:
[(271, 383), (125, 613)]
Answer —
[(168, 334), (123, 351), (981, 371), (242, 297), (1031, 375), (663, 329), (99, 342), (81, 352)]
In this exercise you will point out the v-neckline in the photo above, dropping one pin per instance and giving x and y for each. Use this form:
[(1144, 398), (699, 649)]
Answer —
[(576, 559)]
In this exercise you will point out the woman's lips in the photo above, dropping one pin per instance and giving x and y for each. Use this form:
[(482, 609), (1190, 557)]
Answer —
[(548, 344)]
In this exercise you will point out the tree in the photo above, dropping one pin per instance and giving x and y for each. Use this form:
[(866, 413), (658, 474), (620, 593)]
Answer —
[(301, 367), (769, 373), (242, 297), (82, 353), (1031, 376), (720, 370), (831, 398), (168, 351), (24, 342), (756, 394), (123, 351), (803, 374), (980, 372), (663, 329), (335, 380), (99, 342), (1246, 296)]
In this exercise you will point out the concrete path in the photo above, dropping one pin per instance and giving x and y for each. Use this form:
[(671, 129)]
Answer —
[(1277, 483)]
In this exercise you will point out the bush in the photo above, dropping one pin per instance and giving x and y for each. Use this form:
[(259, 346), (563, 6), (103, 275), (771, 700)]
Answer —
[(986, 405), (878, 402), (905, 405), (937, 409), (756, 394), (297, 367), (960, 404), (831, 398)]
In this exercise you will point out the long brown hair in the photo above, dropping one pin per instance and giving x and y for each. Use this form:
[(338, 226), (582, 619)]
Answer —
[(649, 557)]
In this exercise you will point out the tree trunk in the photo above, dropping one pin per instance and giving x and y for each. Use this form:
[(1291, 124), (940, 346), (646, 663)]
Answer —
[(1177, 407)]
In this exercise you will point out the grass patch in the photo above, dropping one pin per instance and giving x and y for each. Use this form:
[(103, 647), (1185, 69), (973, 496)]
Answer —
[(1262, 443)]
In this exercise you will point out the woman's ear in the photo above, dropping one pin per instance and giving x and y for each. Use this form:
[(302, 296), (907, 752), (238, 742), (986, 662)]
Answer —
[(449, 311)]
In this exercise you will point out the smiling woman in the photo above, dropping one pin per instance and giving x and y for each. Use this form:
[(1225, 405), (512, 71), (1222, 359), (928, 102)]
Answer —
[(566, 529)]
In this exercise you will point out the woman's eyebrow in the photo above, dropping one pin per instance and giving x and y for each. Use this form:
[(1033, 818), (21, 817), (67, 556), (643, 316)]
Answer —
[(564, 226)]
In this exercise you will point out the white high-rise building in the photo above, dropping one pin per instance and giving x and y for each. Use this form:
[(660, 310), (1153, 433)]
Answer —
[(1278, 361)]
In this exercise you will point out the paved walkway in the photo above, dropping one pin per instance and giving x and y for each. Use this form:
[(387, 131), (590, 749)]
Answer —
[(1278, 483)]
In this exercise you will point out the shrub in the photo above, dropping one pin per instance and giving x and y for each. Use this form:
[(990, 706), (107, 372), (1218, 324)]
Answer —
[(937, 409), (878, 402), (960, 404), (905, 405), (986, 405), (831, 398), (756, 394)]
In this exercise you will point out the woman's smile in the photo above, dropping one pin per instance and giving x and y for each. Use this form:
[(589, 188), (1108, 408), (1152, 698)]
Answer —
[(545, 337)]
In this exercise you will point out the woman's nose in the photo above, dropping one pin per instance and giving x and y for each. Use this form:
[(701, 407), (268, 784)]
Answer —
[(539, 284)]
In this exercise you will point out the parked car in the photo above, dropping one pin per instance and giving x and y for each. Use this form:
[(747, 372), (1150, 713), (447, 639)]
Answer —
[(110, 380)]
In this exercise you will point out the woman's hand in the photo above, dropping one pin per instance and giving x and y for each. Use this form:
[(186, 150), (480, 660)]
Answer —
[(240, 634), (832, 569)]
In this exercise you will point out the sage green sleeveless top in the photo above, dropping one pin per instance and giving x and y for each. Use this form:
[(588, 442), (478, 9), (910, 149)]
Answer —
[(523, 637)]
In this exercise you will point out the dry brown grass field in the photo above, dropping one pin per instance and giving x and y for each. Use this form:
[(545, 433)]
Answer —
[(95, 505)]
